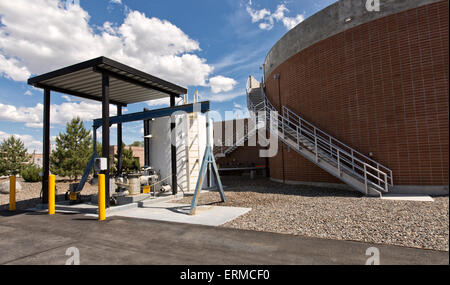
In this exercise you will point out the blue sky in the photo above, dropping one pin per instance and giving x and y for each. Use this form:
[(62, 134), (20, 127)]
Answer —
[(205, 45)]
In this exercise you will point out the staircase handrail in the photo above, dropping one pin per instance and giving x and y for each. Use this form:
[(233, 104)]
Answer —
[(328, 146)]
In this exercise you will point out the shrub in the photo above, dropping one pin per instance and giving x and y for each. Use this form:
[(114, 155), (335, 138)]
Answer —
[(13, 156), (30, 173)]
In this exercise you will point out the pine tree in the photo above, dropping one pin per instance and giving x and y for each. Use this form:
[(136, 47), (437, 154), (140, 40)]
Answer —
[(129, 162), (73, 150), (13, 156)]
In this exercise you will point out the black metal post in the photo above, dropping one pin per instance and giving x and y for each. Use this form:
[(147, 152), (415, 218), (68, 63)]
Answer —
[(46, 150), (105, 133), (94, 135), (119, 142), (173, 150), (146, 141)]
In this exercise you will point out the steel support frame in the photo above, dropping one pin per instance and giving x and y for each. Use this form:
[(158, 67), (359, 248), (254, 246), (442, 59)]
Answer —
[(147, 115), (173, 150), (158, 113), (119, 142), (146, 141), (208, 162), (105, 134), (46, 147)]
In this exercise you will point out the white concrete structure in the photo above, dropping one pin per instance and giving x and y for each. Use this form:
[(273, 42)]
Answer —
[(191, 143)]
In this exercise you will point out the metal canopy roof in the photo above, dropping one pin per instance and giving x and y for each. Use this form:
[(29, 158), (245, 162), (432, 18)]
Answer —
[(127, 85)]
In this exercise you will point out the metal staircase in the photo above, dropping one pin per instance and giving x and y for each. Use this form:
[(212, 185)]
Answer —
[(222, 151), (230, 146), (350, 166)]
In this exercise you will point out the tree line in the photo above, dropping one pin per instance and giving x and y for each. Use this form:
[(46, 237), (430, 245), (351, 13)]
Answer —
[(69, 158)]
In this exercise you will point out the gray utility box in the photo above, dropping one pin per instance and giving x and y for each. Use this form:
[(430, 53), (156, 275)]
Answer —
[(100, 164)]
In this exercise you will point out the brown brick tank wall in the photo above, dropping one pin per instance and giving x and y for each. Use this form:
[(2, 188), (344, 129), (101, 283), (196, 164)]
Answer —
[(380, 87)]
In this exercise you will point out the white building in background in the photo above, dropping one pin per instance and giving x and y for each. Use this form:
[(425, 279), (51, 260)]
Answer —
[(37, 159)]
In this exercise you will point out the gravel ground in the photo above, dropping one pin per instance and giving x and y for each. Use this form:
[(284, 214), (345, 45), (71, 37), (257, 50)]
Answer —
[(28, 197), (334, 214)]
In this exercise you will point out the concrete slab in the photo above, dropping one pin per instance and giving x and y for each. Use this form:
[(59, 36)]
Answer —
[(179, 213), (92, 207), (402, 197)]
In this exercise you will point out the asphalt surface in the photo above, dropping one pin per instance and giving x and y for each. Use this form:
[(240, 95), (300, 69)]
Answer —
[(37, 238)]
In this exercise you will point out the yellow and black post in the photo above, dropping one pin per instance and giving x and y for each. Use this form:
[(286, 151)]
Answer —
[(101, 197), (12, 193), (51, 194)]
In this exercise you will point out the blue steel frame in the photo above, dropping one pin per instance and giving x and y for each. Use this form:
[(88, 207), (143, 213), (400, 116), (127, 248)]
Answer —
[(202, 107), (207, 163)]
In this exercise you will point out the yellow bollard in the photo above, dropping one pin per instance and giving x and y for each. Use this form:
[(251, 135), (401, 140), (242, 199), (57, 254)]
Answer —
[(12, 193), (51, 194), (101, 197)]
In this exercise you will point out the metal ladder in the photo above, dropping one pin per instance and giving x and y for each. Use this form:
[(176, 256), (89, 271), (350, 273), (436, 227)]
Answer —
[(193, 144), (340, 160)]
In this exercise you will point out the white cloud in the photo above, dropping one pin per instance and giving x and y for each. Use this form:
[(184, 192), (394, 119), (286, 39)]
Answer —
[(159, 102), (30, 143), (115, 1), (28, 93), (10, 69), (289, 23), (67, 98), (267, 19), (163, 102), (60, 114), (61, 36), (265, 26), (257, 15), (221, 97), (221, 84)]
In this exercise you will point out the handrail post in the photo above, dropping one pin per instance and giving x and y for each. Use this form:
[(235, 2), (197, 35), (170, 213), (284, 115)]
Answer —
[(353, 160), (378, 173), (365, 178), (315, 145), (339, 162), (386, 188)]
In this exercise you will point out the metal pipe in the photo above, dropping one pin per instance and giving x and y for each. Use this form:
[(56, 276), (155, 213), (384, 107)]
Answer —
[(315, 145), (339, 162), (365, 178)]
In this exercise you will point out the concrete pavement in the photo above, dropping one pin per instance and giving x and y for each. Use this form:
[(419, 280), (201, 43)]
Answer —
[(37, 238)]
